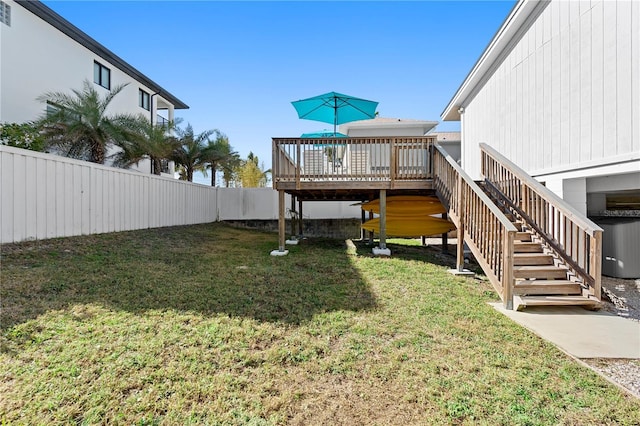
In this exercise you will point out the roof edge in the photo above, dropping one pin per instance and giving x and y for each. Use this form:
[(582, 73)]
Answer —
[(366, 124), (521, 17), (54, 19)]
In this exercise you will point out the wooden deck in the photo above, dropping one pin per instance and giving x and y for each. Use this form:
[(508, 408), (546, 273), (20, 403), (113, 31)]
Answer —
[(352, 168), (534, 248)]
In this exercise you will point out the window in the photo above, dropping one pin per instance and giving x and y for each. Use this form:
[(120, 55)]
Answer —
[(143, 100), (101, 75), (51, 109), (5, 13)]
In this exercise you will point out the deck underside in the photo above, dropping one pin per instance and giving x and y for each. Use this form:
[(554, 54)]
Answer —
[(354, 191)]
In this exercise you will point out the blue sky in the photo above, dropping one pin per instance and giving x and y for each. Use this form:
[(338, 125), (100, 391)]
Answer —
[(238, 65)]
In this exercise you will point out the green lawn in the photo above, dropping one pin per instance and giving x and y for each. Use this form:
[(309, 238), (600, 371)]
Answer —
[(199, 325)]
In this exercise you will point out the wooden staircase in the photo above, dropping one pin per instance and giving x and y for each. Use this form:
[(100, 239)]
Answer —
[(533, 247), (540, 278)]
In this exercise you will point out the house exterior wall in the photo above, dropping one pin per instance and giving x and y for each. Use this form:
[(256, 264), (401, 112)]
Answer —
[(38, 58), (566, 97)]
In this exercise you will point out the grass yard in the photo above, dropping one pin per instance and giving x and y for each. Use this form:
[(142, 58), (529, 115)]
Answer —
[(199, 325)]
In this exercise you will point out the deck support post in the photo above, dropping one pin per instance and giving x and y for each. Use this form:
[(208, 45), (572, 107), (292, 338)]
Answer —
[(300, 218), (362, 220), (445, 238), (382, 249), (370, 232), (293, 216), (281, 227)]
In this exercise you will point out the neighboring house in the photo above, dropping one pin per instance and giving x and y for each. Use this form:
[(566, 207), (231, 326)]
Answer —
[(450, 141), (383, 126), (557, 92), (375, 158), (43, 52)]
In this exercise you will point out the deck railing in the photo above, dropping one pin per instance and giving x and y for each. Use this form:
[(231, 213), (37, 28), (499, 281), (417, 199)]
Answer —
[(486, 230), (574, 238), (352, 159)]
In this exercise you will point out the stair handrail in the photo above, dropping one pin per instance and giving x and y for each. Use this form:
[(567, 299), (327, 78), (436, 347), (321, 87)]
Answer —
[(571, 235), (487, 231)]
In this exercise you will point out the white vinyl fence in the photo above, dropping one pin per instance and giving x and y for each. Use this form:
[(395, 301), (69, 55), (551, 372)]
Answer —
[(48, 196)]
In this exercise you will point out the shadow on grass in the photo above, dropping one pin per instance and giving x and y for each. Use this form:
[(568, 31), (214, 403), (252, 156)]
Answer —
[(207, 269), (429, 253)]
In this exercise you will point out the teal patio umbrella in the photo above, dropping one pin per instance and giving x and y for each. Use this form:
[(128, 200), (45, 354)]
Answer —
[(323, 134), (335, 108)]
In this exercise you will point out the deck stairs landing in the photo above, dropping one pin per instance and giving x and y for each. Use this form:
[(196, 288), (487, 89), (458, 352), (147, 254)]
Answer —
[(541, 278)]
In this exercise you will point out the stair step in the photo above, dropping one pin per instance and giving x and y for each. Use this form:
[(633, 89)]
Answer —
[(539, 271), (527, 247), (519, 226), (547, 287), (520, 302), (532, 259), (523, 236)]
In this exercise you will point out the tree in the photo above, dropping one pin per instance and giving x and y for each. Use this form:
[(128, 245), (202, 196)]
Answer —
[(25, 136), (189, 153), (78, 124), (219, 156), (150, 140), (230, 171), (252, 174)]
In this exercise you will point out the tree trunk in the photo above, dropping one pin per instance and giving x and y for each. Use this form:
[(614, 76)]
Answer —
[(157, 166), (97, 153), (213, 174)]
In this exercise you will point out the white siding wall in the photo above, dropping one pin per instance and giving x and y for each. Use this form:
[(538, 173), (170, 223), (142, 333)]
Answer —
[(47, 196), (568, 94)]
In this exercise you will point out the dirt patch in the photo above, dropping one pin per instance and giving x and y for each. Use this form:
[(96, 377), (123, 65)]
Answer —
[(621, 297)]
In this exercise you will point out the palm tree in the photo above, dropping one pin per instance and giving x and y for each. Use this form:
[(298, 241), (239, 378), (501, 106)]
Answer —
[(78, 124), (189, 152), (230, 171), (150, 140), (219, 155)]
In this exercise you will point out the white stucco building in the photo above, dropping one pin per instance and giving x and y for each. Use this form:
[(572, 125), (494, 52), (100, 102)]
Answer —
[(41, 52)]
